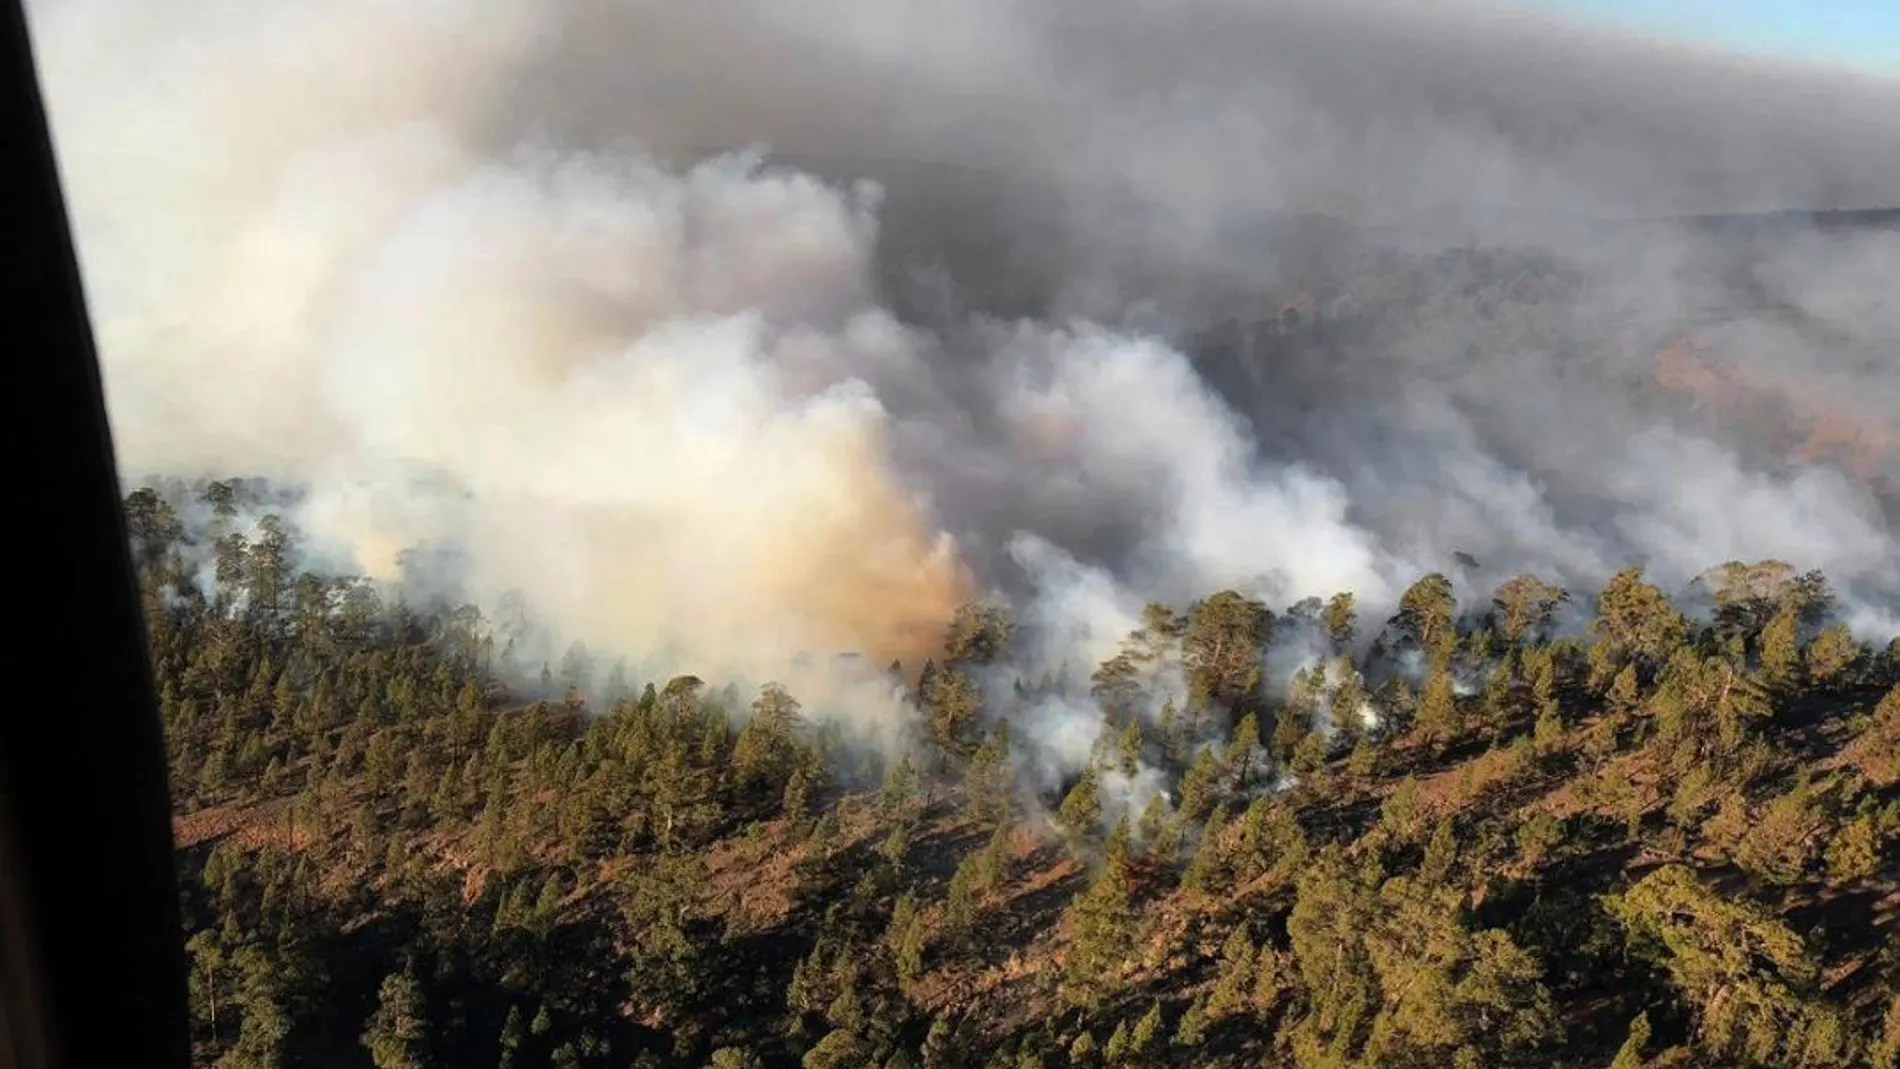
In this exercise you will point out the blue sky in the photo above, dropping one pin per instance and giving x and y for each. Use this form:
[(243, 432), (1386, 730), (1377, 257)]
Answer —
[(1862, 33)]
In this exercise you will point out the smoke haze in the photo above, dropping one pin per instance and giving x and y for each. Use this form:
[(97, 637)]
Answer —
[(726, 332)]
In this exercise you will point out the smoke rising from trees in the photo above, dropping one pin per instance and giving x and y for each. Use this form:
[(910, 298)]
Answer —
[(727, 332)]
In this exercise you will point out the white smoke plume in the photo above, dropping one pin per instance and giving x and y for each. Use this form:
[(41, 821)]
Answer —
[(634, 380), (1037, 301)]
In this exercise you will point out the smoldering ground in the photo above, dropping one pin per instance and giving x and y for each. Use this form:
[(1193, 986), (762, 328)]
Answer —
[(745, 329)]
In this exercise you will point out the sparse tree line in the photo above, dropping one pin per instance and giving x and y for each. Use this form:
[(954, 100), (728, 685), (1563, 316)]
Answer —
[(1452, 838)]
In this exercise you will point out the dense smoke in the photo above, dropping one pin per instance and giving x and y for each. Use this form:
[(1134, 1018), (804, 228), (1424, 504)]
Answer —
[(728, 332)]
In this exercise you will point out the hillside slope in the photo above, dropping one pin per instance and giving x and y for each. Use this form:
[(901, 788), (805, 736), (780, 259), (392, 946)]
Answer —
[(1464, 842)]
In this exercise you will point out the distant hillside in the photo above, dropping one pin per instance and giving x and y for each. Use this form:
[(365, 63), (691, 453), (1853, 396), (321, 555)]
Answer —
[(1775, 223), (1305, 312)]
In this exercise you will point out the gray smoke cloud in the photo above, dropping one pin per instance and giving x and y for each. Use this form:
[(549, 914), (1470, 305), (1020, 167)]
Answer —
[(739, 330)]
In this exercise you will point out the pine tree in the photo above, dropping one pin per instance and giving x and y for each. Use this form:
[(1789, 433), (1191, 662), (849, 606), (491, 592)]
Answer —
[(1117, 1047), (1884, 1051), (1630, 1054), (1081, 812), (963, 898), (1146, 1031), (1440, 853), (1295, 719), (513, 1031), (1781, 652), (1101, 924), (1363, 762), (263, 996), (766, 752), (1129, 748), (796, 801), (978, 634), (841, 1048), (1625, 692), (953, 706), (1348, 702), (1538, 836), (1548, 733), (398, 1033), (987, 781), (1233, 984), (903, 913), (895, 847), (898, 798), (1239, 753), (910, 950), (940, 1046), (1201, 786), (1208, 871), (1172, 742), (1854, 853), (1220, 653), (1439, 720), (1424, 620), (1524, 606), (1309, 757), (1191, 1030), (1831, 657), (1340, 620), (1635, 617)]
